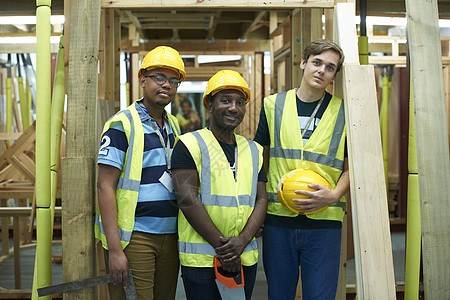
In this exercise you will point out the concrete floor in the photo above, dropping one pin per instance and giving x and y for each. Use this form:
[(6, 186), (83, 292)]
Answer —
[(259, 293)]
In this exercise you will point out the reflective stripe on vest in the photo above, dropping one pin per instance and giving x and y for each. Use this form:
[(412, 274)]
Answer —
[(323, 153), (206, 249), (219, 200), (125, 183), (228, 209), (278, 151)]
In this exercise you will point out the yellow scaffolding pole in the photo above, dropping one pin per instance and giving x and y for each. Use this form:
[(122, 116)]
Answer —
[(43, 265), (413, 221)]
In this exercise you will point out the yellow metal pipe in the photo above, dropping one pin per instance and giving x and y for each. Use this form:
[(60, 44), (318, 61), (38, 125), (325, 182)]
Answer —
[(9, 108), (24, 107), (413, 239), (363, 48), (384, 123), (413, 221), (127, 89), (43, 267), (58, 99), (29, 100)]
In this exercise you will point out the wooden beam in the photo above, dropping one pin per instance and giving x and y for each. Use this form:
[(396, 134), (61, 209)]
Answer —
[(135, 22), (25, 48), (213, 25), (252, 26), (297, 44), (78, 172), (432, 144), (221, 46), (194, 4), (373, 251)]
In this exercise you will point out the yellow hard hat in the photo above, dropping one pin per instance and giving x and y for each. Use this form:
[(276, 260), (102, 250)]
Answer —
[(298, 180), (226, 79), (163, 57)]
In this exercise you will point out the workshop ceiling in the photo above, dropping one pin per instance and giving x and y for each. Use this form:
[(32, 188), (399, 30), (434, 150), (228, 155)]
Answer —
[(202, 24)]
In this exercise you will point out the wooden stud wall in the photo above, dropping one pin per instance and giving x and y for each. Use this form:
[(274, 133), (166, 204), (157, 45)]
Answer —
[(432, 144)]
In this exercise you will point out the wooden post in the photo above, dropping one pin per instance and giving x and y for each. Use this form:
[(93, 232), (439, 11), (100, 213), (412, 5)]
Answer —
[(5, 231), (432, 144), (78, 173), (135, 89), (116, 54), (373, 252), (297, 45), (16, 241)]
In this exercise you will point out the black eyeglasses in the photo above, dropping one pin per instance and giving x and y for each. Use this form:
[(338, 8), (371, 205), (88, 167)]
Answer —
[(161, 80)]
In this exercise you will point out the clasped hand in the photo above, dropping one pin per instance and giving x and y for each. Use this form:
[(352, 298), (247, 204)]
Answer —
[(229, 253)]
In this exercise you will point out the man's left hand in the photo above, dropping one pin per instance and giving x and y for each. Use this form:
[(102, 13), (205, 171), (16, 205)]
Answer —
[(318, 199)]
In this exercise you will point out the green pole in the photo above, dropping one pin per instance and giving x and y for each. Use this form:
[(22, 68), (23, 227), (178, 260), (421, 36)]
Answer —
[(43, 266), (363, 48), (58, 99), (413, 221), (24, 107)]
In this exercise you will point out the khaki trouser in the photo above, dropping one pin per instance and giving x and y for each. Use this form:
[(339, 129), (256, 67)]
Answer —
[(153, 259)]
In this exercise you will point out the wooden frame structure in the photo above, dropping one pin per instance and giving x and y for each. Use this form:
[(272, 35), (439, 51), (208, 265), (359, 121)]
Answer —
[(93, 27), (84, 47)]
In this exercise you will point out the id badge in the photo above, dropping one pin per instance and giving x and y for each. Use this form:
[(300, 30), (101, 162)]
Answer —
[(166, 180)]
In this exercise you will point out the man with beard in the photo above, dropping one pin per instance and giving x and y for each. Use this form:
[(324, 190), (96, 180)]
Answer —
[(219, 182)]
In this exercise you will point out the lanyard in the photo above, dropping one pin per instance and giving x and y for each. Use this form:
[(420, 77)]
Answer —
[(158, 130), (313, 115)]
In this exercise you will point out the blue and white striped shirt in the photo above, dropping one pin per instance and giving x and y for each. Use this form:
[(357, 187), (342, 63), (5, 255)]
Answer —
[(156, 210)]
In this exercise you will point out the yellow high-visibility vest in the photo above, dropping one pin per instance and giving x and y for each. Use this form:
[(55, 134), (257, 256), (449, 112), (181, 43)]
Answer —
[(323, 153), (127, 190), (228, 201)]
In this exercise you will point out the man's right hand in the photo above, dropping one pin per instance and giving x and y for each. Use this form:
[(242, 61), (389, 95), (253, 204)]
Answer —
[(118, 267)]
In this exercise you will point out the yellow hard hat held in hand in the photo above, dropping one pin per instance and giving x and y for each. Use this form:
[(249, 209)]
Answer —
[(298, 180)]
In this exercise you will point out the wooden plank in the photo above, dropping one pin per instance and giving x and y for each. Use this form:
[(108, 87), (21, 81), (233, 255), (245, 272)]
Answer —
[(25, 48), (16, 241), (345, 31), (316, 24), (109, 54), (297, 46), (77, 220), (78, 172), (373, 251), (194, 4), (22, 211), (116, 55), (432, 144), (101, 58), (4, 136), (5, 233), (447, 97), (222, 46)]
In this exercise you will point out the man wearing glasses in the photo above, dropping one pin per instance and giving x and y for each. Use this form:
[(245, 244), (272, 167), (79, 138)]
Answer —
[(136, 218)]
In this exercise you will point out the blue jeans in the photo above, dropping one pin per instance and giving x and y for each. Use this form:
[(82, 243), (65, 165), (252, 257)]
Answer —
[(316, 251), (200, 283)]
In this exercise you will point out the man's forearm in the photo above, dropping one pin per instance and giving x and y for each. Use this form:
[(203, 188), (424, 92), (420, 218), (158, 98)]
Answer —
[(343, 184), (200, 221)]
